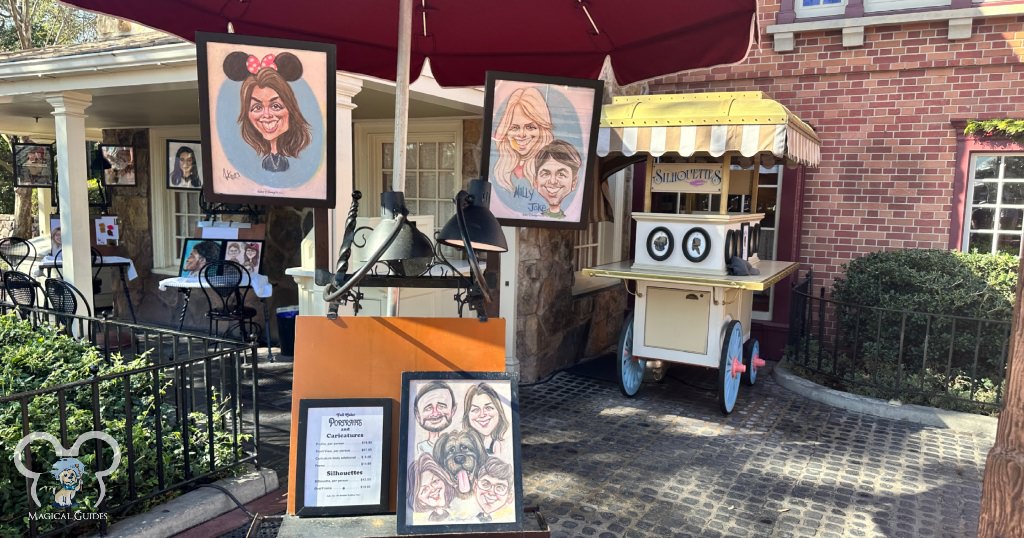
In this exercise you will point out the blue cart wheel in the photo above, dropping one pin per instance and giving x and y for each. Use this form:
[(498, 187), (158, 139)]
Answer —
[(752, 360), (731, 367), (631, 368)]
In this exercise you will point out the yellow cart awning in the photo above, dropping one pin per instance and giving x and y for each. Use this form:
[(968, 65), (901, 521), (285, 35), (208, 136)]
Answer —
[(712, 123)]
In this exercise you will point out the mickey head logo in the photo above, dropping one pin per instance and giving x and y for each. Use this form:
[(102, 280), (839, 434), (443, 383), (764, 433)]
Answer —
[(19, 456)]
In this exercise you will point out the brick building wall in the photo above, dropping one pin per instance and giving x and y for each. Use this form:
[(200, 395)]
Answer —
[(884, 112)]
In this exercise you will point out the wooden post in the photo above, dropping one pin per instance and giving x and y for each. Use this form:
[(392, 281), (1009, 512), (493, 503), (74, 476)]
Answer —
[(649, 181), (1003, 488), (723, 200), (755, 176)]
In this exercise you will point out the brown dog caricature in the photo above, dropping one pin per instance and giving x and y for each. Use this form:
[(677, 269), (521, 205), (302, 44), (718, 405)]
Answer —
[(460, 453)]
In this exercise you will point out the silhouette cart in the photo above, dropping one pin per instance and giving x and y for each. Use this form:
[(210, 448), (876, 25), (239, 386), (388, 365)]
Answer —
[(697, 241)]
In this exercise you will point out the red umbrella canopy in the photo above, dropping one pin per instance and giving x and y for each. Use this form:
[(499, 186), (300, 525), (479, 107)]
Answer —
[(466, 38)]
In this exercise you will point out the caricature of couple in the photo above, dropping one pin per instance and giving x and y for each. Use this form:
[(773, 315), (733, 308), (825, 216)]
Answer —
[(530, 156), (461, 474)]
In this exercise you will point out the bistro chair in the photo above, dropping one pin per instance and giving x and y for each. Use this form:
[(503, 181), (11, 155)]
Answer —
[(63, 300), (97, 282), (14, 251), (22, 289), (222, 284)]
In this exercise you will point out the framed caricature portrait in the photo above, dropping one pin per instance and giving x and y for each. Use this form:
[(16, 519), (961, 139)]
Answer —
[(267, 115), (33, 165), (184, 165), (539, 147), (196, 253), (459, 462), (247, 253), (121, 159)]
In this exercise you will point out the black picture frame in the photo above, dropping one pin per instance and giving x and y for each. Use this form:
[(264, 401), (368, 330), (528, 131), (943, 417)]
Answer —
[(178, 176), (730, 246), (457, 439), (34, 165), (122, 161), (745, 240), (755, 239), (241, 170), (366, 454), (660, 233), (693, 251), (571, 110)]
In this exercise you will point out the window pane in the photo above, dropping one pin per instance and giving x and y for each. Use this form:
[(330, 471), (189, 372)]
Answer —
[(986, 167), (766, 245), (445, 211), (428, 185), (448, 189), (388, 162), (766, 179), (1014, 168), (428, 155), (766, 204), (1010, 219), (1009, 244), (1013, 193), (980, 242), (193, 202), (429, 208), (413, 206), (412, 181), (410, 156), (982, 219), (385, 182), (985, 193), (447, 156)]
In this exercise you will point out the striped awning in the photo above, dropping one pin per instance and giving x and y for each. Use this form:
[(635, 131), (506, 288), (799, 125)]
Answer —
[(757, 128)]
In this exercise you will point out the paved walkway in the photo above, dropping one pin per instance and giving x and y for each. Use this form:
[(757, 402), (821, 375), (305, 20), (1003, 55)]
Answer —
[(668, 464)]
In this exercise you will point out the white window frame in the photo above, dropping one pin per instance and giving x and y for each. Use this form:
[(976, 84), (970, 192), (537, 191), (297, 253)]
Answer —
[(609, 236), (369, 136), (875, 6), (779, 207), (165, 258), (965, 245), (803, 12)]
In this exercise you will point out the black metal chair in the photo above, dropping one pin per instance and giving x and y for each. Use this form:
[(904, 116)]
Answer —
[(63, 300), (97, 282), (14, 251), (22, 290), (226, 286)]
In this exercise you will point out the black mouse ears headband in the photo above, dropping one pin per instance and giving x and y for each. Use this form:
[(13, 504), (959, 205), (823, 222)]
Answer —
[(238, 65)]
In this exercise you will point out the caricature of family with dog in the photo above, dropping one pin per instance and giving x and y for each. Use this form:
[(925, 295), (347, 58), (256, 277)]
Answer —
[(463, 449)]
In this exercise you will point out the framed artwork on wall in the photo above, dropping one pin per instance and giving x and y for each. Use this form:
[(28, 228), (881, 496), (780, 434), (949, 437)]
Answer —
[(184, 165), (459, 459), (267, 116), (539, 148), (343, 457), (248, 254), (121, 159), (198, 252), (33, 165)]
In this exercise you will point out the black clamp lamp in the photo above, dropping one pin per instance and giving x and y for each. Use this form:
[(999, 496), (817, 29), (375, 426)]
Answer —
[(403, 257)]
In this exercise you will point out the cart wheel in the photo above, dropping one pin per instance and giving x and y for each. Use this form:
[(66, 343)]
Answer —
[(631, 368), (731, 367), (752, 360)]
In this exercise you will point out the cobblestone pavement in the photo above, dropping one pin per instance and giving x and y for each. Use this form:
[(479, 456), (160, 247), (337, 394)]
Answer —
[(668, 464)]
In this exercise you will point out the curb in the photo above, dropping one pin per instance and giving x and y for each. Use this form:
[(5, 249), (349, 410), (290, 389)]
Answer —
[(196, 507), (927, 416)]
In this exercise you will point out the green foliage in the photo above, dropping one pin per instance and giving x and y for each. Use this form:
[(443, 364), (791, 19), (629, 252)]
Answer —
[(52, 23), (1004, 128), (40, 357), (6, 178), (921, 326)]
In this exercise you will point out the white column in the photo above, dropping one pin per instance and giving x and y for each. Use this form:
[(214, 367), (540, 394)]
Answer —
[(69, 123), (346, 87)]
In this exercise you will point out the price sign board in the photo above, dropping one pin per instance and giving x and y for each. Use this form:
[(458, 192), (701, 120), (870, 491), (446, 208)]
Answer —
[(344, 456)]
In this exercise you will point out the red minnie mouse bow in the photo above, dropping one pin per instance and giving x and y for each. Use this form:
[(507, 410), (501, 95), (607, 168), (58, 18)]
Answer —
[(254, 64)]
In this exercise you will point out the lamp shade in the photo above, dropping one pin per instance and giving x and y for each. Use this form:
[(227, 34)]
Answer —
[(410, 247), (484, 232)]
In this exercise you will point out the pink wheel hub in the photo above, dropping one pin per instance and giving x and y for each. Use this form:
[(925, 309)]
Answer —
[(758, 362), (737, 367)]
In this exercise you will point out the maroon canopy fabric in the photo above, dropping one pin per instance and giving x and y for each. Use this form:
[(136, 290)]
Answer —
[(466, 38)]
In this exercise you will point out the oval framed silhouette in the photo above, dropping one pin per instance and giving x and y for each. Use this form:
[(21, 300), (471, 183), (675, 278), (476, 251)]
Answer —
[(696, 244), (660, 243)]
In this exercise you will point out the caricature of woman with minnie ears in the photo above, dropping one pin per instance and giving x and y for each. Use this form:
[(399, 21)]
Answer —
[(270, 119)]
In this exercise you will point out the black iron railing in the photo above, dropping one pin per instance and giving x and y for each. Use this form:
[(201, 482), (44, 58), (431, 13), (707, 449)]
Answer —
[(182, 407), (942, 360)]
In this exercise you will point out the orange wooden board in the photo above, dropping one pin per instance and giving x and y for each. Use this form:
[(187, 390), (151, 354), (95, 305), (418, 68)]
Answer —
[(364, 357)]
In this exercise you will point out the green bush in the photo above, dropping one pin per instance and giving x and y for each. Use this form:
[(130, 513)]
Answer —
[(40, 357), (922, 326)]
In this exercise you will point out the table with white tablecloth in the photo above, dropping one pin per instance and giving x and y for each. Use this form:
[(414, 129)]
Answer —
[(125, 267)]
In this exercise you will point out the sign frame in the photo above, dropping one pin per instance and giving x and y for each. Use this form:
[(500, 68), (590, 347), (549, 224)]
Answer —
[(384, 480)]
